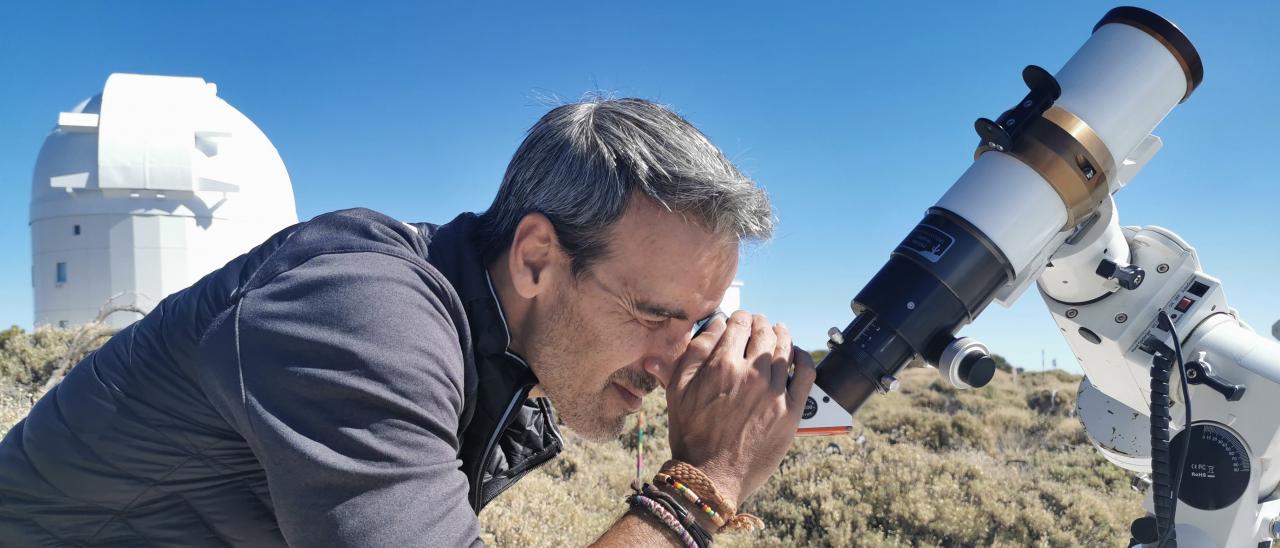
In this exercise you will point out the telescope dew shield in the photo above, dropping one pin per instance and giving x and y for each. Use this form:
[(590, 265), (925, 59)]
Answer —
[(1128, 76), (1043, 167)]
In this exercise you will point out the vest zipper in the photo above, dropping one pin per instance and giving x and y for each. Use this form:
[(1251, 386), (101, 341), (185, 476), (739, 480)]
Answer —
[(520, 396)]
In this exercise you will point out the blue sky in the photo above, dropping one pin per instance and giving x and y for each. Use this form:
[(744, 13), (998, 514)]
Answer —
[(855, 117)]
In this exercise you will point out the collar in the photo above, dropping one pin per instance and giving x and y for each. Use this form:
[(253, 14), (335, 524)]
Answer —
[(454, 249)]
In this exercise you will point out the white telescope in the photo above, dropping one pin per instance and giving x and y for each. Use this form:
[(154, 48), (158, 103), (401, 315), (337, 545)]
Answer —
[(1040, 175)]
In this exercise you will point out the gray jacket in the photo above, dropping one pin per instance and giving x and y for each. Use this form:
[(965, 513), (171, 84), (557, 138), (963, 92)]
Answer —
[(347, 382)]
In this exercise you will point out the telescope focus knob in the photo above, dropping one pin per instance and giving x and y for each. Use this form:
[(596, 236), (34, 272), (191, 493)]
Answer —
[(976, 370), (966, 363)]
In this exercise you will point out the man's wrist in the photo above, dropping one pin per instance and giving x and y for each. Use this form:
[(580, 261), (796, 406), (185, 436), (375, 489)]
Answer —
[(727, 484), (655, 523)]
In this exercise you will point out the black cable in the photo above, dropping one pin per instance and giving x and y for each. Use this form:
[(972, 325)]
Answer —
[(1161, 474), (1160, 433)]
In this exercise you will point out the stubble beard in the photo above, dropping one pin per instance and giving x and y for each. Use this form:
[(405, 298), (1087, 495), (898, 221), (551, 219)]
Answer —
[(562, 357)]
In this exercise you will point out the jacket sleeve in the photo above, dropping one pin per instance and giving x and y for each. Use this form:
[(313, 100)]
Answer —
[(350, 388)]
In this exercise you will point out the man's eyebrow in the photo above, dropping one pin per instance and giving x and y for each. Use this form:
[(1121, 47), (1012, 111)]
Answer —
[(661, 311)]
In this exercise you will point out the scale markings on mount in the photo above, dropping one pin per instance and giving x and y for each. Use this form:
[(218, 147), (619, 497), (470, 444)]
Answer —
[(1217, 468)]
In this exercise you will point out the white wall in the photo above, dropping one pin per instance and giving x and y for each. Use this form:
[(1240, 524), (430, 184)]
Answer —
[(149, 236)]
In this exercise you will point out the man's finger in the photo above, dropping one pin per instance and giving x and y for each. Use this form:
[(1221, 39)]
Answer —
[(698, 351), (733, 342), (782, 355), (801, 379), (760, 348)]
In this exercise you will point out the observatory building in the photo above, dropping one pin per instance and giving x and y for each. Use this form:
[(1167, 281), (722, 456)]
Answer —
[(732, 300), (141, 190)]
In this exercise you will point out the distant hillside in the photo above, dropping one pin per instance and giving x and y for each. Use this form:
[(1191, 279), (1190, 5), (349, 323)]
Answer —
[(1006, 465)]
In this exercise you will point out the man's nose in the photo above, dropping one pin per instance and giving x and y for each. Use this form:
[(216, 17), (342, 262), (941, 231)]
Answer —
[(661, 359)]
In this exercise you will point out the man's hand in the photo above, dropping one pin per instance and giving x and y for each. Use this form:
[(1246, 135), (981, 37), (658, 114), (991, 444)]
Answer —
[(731, 411)]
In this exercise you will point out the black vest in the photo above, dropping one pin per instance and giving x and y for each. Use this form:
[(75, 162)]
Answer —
[(503, 433)]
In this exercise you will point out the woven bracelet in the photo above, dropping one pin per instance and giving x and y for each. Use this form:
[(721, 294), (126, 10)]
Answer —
[(693, 477), (689, 521), (689, 481), (657, 511)]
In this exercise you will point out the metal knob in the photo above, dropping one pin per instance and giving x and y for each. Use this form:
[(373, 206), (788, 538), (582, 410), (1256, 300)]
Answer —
[(966, 363), (1129, 277), (889, 383), (835, 335)]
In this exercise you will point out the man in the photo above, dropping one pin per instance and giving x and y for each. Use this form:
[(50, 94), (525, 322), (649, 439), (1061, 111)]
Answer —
[(357, 381)]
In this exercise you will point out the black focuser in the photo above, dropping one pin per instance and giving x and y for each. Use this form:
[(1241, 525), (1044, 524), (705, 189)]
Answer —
[(942, 275), (1200, 372), (1129, 277), (976, 370)]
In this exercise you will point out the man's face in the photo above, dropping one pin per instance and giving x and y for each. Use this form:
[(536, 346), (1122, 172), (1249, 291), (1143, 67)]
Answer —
[(595, 333)]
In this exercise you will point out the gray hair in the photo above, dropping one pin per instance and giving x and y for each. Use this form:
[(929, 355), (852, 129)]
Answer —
[(582, 162)]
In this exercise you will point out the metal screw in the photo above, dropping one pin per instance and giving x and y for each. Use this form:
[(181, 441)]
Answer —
[(889, 383), (835, 335), (1010, 122), (1191, 374), (1122, 317), (1162, 268), (1140, 483), (1072, 313), (911, 305), (1026, 103)]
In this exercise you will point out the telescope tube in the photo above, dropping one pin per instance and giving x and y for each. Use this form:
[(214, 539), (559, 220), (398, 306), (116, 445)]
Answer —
[(1042, 168)]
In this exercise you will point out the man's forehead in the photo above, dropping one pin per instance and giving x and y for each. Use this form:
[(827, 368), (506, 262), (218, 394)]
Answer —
[(668, 264), (662, 292)]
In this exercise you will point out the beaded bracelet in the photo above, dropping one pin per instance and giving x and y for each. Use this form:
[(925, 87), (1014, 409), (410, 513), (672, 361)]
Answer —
[(691, 496), (697, 484), (694, 477), (656, 510)]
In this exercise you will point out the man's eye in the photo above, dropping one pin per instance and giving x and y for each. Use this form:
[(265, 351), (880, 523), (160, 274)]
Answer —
[(655, 323)]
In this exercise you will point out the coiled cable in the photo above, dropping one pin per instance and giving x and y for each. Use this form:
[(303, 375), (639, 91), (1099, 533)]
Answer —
[(1164, 480)]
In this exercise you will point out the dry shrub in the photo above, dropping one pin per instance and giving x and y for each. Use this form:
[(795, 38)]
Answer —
[(928, 466), (1053, 402), (933, 430), (880, 494), (27, 359)]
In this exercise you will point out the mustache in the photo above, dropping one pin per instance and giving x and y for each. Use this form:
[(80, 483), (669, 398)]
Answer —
[(639, 380)]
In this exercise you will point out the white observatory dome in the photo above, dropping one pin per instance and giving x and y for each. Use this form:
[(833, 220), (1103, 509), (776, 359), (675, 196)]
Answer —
[(141, 190)]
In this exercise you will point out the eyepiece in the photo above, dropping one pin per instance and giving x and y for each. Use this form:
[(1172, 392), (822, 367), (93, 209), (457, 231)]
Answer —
[(1164, 32)]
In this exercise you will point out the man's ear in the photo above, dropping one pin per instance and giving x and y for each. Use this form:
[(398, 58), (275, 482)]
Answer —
[(534, 255)]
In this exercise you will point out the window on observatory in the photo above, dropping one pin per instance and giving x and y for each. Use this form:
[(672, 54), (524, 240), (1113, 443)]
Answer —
[(76, 230), (61, 274)]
